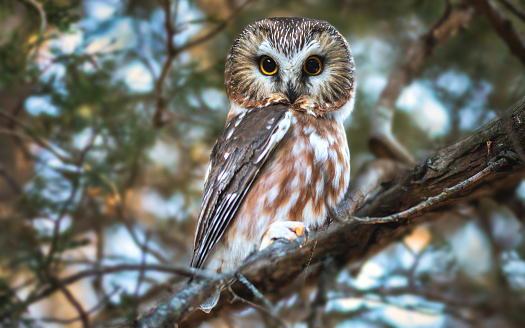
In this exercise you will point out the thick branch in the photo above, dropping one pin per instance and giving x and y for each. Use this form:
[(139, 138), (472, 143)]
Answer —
[(273, 270)]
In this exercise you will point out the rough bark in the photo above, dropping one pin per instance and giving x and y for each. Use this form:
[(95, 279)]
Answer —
[(497, 149)]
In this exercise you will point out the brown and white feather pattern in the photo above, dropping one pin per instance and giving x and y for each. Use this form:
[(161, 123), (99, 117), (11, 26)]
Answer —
[(237, 158), (304, 181), (283, 155)]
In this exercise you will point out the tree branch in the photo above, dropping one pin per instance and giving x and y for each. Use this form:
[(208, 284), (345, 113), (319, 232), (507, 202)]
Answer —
[(503, 26), (272, 271), (518, 13), (381, 140), (173, 51)]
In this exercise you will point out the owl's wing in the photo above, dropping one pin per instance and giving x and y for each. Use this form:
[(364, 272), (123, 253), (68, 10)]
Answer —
[(238, 156)]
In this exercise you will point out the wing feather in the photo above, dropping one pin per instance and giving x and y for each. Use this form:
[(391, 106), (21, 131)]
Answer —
[(235, 162)]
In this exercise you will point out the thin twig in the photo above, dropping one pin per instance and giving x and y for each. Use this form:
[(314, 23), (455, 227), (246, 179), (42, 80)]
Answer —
[(216, 30), (172, 51), (445, 194), (174, 269), (503, 27), (518, 13), (72, 300), (56, 230), (267, 307), (10, 181), (43, 24), (142, 273), (90, 311), (41, 142)]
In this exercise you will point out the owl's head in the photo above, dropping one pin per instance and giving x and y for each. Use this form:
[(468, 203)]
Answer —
[(303, 63)]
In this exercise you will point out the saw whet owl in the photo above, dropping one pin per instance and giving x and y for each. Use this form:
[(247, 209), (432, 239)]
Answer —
[(282, 163)]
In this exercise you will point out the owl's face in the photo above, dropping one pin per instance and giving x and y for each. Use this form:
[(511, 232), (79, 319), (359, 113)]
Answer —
[(303, 63)]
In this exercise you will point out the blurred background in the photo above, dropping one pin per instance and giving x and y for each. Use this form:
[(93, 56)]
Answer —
[(105, 138)]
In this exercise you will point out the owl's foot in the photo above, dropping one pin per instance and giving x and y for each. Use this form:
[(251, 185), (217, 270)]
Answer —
[(288, 230)]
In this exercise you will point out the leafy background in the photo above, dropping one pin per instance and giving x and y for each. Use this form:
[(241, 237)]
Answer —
[(89, 180)]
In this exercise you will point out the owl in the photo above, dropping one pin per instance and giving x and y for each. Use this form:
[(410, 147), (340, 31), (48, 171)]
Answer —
[(281, 165)]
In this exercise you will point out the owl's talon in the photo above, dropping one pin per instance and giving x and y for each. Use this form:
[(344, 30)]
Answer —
[(288, 230)]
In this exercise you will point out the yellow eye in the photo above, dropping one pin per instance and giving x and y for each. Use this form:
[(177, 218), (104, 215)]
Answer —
[(268, 66), (313, 66)]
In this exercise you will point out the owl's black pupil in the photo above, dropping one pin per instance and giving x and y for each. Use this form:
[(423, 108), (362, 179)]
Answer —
[(268, 65), (312, 66)]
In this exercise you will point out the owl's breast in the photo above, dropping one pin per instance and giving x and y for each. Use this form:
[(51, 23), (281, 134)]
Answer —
[(303, 180)]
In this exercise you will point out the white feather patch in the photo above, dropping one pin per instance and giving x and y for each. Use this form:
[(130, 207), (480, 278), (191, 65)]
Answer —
[(277, 136), (320, 146)]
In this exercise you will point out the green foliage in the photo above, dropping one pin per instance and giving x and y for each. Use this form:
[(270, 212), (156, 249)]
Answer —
[(13, 54), (61, 14)]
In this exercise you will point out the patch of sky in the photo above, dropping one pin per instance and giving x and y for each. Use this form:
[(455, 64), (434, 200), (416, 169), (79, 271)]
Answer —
[(439, 264), (157, 22), (50, 170), (155, 203), (37, 105), (520, 191), (50, 160), (118, 35), (345, 304), (514, 267), (405, 258), (375, 53), (101, 10), (82, 139), (164, 154), (474, 113), (66, 43), (506, 229), (409, 300), (45, 225), (197, 133), (53, 74), (396, 281), (471, 248), (370, 275), (215, 99), (344, 277), (400, 317), (373, 58), (455, 83), (427, 111), (183, 23), (123, 246), (137, 76), (356, 323), (193, 99)]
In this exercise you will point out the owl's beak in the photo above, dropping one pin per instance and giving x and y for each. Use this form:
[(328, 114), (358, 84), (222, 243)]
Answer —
[(291, 93)]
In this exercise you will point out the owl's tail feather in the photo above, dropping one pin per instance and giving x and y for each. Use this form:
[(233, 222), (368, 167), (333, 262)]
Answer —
[(210, 303)]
